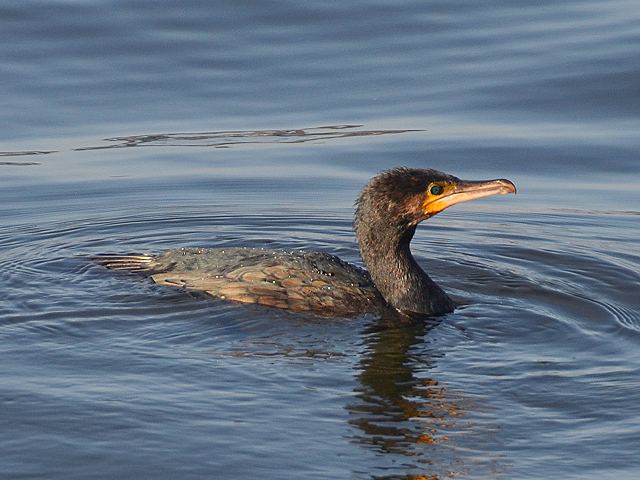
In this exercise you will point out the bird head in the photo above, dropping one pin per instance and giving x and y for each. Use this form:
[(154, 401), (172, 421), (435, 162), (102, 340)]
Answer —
[(411, 195)]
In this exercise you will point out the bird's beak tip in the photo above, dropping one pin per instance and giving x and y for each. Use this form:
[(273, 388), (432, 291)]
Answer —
[(507, 186)]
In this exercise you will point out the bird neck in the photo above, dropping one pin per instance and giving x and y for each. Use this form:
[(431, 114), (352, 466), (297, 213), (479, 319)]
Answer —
[(384, 247)]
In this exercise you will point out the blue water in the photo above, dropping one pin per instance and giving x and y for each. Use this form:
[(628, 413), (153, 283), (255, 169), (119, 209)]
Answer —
[(141, 126)]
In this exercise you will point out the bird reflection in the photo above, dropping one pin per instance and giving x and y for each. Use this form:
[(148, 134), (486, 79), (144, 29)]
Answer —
[(401, 410)]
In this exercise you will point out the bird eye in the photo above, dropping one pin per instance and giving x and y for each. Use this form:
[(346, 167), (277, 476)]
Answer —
[(436, 190)]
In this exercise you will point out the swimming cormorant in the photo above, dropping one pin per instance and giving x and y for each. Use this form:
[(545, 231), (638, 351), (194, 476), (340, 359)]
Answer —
[(388, 211)]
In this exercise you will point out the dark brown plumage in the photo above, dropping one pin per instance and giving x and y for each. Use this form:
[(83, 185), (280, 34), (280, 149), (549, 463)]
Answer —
[(388, 210)]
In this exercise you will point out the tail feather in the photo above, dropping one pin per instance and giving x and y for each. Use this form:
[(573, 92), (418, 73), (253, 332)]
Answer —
[(131, 263)]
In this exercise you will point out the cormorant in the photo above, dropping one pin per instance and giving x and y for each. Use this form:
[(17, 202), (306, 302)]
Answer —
[(388, 211)]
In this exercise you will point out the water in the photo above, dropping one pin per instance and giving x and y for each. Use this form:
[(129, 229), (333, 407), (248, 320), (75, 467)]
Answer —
[(140, 126)]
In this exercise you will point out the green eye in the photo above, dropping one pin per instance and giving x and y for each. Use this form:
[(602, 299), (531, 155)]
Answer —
[(436, 190)]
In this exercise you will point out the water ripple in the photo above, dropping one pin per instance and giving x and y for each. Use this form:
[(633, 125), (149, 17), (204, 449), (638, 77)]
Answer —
[(223, 139)]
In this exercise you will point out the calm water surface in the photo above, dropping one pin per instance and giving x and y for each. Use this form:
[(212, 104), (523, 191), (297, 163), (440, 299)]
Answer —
[(140, 126)]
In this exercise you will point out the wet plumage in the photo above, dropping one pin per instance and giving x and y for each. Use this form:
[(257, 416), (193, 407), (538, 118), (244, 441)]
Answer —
[(296, 280)]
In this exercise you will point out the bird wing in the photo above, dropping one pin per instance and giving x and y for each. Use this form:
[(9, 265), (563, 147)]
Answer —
[(293, 285), (275, 286)]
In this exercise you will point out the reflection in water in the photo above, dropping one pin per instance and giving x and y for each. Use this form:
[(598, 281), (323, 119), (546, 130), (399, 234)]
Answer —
[(19, 164), (229, 138), (26, 152), (22, 154), (223, 139), (399, 411)]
